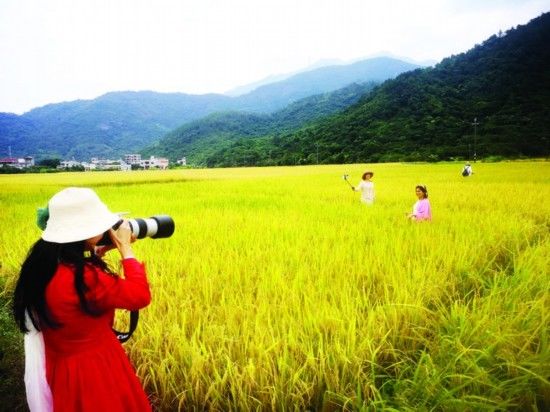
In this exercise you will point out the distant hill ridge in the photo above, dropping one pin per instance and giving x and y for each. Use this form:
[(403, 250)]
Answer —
[(322, 80), (200, 139), (427, 114), (122, 122)]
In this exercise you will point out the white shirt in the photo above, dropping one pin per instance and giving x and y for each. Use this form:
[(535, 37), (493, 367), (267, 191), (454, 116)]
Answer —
[(367, 191)]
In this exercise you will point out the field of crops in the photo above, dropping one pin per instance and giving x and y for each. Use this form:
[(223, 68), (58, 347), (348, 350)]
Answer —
[(280, 291)]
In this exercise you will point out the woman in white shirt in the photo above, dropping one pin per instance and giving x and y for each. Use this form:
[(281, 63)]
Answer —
[(366, 187)]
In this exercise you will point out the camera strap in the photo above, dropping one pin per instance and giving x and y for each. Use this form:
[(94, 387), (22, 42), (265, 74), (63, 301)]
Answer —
[(124, 336)]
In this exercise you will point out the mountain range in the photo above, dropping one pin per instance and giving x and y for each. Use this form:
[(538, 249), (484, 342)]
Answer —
[(493, 100), (124, 122), (199, 139), (428, 114)]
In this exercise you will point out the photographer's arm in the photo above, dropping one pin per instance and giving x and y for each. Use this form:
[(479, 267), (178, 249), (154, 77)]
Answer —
[(132, 292), (113, 292)]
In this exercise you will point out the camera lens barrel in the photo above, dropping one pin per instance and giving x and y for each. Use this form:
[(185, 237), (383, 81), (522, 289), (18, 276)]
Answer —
[(158, 226), (166, 226), (155, 227)]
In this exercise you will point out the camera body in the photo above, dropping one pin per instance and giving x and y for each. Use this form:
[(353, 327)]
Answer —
[(155, 227)]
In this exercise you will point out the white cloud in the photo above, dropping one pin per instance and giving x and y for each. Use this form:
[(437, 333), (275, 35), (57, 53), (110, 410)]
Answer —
[(69, 49)]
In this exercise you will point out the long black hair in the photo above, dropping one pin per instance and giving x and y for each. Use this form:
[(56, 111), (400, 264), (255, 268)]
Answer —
[(36, 273)]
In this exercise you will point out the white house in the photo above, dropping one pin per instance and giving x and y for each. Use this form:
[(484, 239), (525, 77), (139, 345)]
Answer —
[(17, 162), (67, 164), (155, 162), (132, 159), (108, 164)]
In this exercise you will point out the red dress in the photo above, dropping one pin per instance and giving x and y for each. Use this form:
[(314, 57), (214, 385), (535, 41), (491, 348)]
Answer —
[(86, 367)]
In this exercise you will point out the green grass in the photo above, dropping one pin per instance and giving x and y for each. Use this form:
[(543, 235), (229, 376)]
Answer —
[(12, 391), (280, 290)]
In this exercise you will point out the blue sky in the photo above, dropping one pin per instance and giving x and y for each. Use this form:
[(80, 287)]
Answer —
[(61, 50)]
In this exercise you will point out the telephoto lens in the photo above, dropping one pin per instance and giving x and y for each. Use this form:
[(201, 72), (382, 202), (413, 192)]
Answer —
[(155, 227), (158, 226)]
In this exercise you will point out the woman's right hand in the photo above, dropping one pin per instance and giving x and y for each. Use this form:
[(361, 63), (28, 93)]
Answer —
[(122, 238)]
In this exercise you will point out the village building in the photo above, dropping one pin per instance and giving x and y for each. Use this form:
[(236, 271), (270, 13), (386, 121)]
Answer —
[(95, 163), (151, 163), (155, 162), (17, 162), (68, 164), (132, 159), (108, 164)]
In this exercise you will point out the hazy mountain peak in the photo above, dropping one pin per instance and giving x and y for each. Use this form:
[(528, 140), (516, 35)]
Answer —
[(319, 64)]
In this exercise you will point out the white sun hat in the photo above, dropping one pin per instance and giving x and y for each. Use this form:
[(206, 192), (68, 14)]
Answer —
[(75, 214)]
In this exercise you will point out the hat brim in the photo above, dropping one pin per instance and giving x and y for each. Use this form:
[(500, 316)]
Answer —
[(79, 230)]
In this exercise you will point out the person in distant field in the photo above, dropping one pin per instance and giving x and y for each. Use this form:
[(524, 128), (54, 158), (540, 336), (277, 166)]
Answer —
[(64, 302), (421, 209), (366, 187), (467, 171)]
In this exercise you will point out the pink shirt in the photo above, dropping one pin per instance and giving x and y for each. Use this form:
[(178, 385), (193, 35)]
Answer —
[(422, 210)]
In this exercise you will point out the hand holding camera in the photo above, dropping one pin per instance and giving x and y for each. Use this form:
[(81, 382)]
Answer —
[(126, 231), (122, 238), (116, 238)]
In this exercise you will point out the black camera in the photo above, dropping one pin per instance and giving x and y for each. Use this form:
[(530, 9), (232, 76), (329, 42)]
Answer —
[(158, 226)]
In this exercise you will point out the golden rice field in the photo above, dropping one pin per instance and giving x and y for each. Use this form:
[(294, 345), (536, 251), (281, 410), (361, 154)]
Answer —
[(281, 291)]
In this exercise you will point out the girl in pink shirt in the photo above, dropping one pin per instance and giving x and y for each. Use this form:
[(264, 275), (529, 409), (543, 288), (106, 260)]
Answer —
[(421, 209)]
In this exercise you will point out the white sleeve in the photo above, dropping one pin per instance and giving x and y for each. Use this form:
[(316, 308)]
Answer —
[(39, 395)]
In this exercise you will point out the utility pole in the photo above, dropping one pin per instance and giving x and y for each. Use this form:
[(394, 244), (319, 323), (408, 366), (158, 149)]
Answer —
[(475, 124)]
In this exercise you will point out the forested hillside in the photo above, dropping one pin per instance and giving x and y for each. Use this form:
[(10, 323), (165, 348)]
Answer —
[(427, 114), (202, 139), (12, 130), (113, 124), (123, 122)]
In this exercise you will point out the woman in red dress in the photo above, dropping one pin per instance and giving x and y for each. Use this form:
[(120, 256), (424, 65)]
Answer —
[(66, 292)]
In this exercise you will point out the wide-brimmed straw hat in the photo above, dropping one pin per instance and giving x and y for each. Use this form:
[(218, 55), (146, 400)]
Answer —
[(75, 214)]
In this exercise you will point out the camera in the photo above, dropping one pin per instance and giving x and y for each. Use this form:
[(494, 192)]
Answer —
[(155, 227)]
